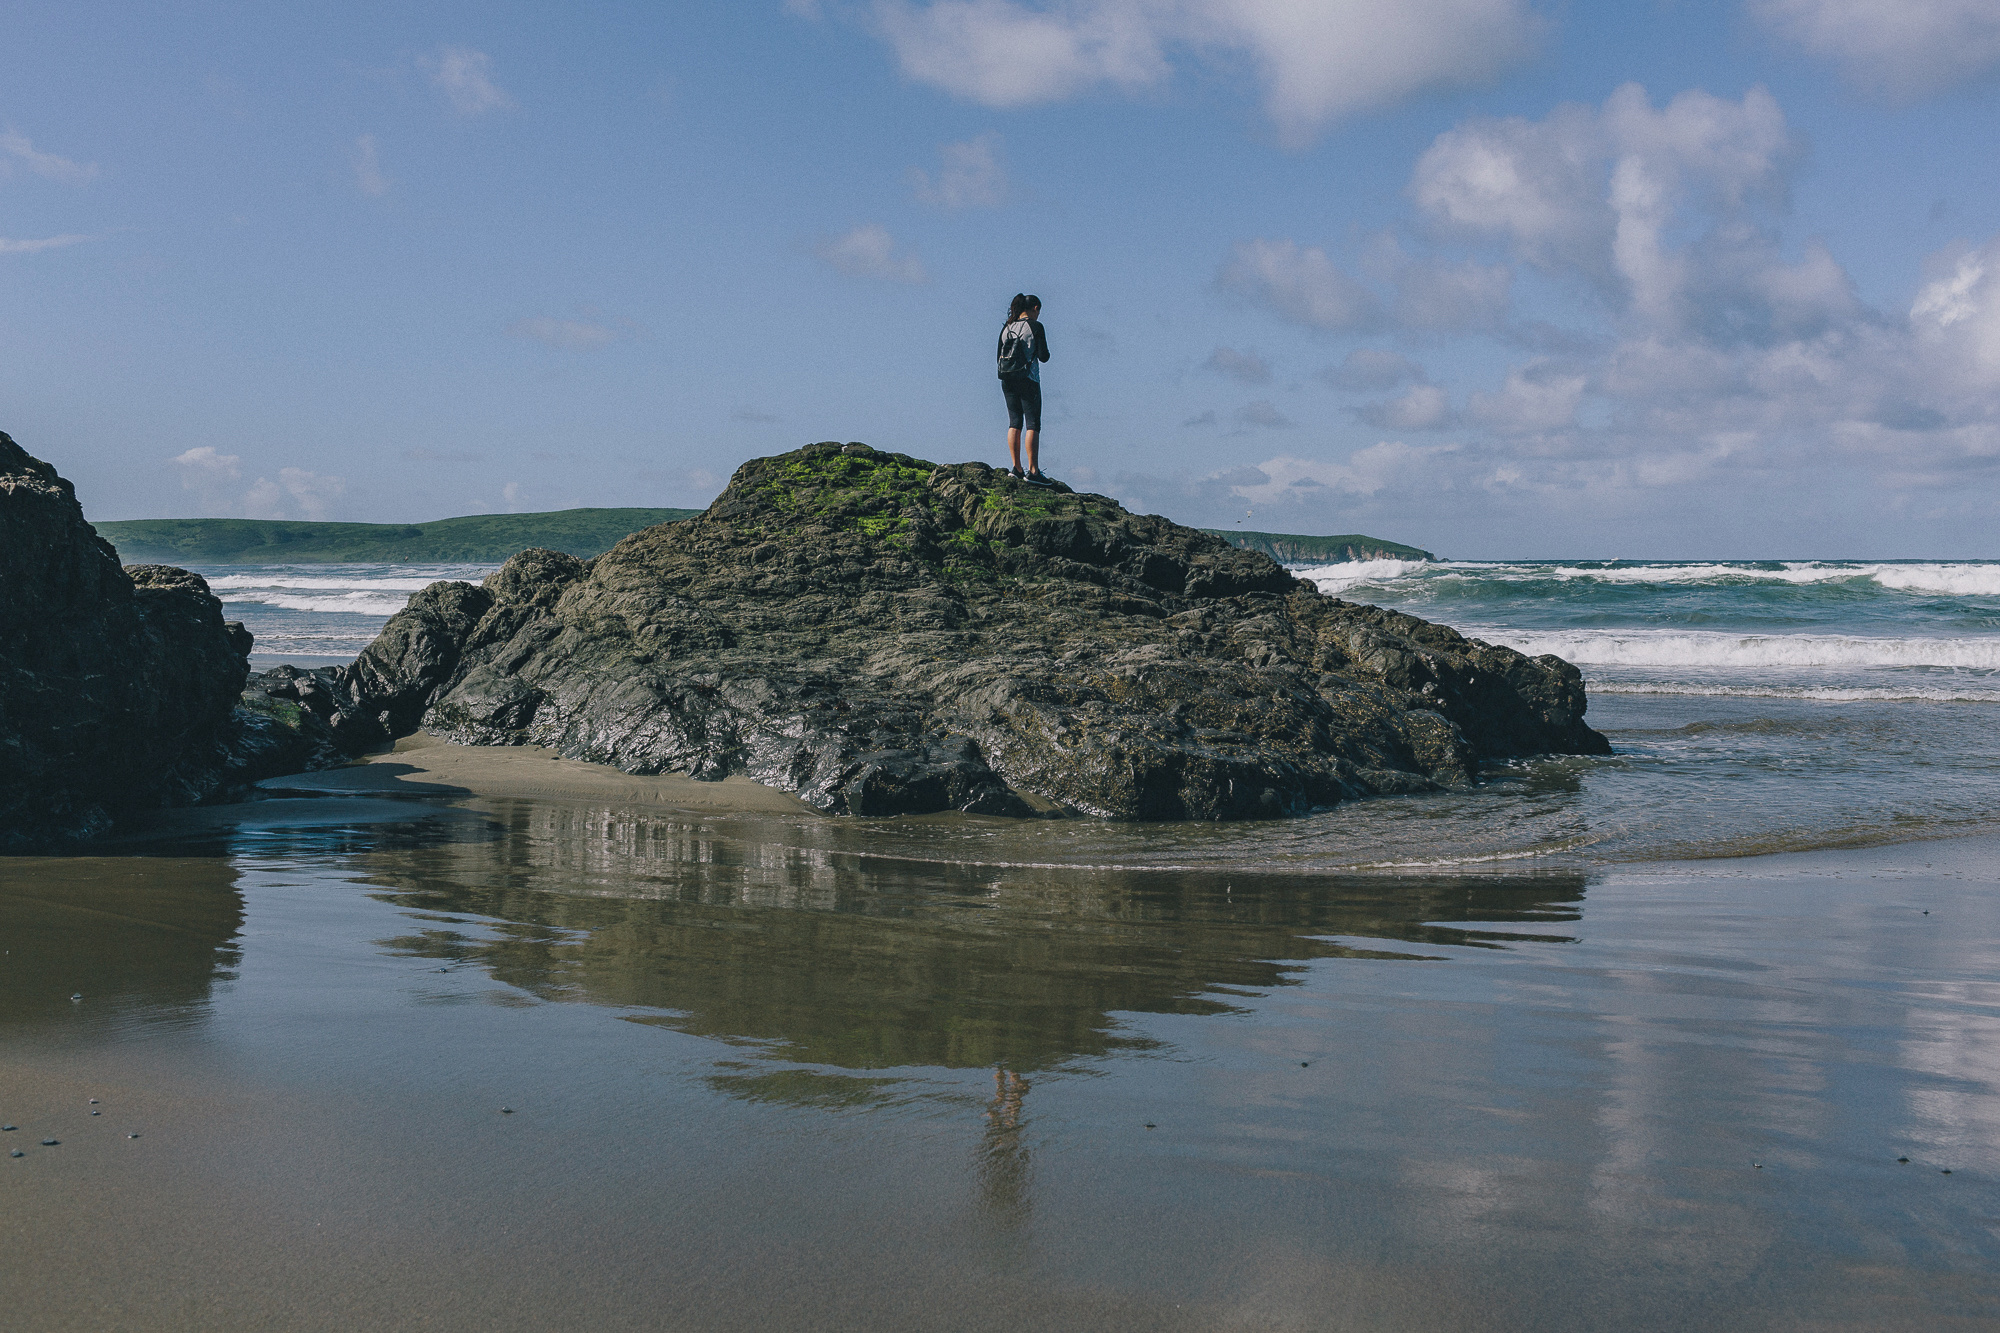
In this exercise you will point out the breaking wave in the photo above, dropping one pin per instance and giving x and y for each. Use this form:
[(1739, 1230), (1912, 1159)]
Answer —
[(1699, 648), (1951, 579)]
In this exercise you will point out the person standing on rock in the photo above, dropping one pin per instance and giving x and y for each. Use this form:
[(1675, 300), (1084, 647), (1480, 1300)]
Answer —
[(1024, 345)]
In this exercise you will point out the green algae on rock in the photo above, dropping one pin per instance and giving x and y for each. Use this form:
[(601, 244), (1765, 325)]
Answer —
[(881, 635)]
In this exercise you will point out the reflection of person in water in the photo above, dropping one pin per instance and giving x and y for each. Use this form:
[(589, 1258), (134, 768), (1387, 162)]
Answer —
[(1008, 1090), (1003, 1158)]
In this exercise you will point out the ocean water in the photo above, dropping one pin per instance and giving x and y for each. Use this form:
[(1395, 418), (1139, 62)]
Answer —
[(316, 615), (1753, 706)]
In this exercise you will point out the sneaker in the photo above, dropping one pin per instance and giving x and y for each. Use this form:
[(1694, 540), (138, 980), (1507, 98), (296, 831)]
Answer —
[(1020, 475), (1036, 478)]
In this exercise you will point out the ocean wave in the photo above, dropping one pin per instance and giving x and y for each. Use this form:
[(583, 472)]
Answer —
[(1955, 579), (1945, 694), (361, 602), (1336, 578), (353, 582), (1703, 648)]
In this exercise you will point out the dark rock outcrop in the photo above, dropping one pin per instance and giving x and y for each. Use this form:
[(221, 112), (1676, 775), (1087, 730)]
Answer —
[(881, 635), (117, 686)]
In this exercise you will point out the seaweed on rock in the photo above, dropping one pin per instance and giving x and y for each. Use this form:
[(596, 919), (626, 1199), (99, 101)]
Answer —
[(882, 635)]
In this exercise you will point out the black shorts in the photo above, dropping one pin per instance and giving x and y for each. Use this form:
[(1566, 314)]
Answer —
[(1024, 402)]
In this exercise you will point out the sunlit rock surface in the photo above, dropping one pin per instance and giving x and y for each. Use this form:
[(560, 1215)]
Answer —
[(882, 635)]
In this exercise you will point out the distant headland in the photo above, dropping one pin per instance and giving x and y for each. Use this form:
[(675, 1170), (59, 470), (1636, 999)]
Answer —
[(474, 539), (492, 538), (1289, 548)]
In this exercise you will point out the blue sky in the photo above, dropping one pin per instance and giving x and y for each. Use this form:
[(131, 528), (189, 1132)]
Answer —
[(1493, 277)]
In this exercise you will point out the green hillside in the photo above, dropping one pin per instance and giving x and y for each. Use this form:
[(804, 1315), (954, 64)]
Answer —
[(491, 538), (476, 538), (1292, 549)]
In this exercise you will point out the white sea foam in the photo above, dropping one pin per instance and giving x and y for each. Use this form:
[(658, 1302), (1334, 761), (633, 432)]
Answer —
[(384, 583), (1337, 578), (1707, 648), (1965, 579), (1953, 580), (1944, 694), (360, 601)]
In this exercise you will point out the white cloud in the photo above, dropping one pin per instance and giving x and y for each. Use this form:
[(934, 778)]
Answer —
[(1430, 295), (209, 473), (1901, 48), (311, 492), (1287, 480), (972, 176), (1301, 285), (868, 251), (1316, 62), (264, 499), (17, 146), (1424, 407), (1243, 367), (1955, 320), (36, 245), (1264, 414), (296, 493), (1599, 192), (1709, 346), (1006, 55), (205, 463), (1446, 297), (368, 177), (574, 335), (1371, 370), (465, 78), (1536, 397)]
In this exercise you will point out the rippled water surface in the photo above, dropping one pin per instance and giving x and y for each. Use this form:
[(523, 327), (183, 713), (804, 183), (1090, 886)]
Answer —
[(790, 1073)]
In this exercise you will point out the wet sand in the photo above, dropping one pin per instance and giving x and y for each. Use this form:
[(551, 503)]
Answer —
[(422, 765), (750, 1080)]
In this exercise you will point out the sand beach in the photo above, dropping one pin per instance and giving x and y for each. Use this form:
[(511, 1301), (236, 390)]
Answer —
[(451, 1038)]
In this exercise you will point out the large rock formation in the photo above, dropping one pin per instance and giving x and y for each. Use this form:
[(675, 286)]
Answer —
[(881, 635), (117, 686)]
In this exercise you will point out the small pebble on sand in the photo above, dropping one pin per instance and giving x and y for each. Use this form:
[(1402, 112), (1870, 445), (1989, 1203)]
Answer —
[(17, 1153), (506, 1110), (50, 1143), (131, 1136)]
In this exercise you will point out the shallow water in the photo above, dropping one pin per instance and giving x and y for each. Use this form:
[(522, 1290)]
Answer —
[(1754, 706), (776, 1072)]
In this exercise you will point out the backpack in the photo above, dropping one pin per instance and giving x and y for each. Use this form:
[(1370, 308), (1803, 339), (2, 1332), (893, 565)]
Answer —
[(1017, 348)]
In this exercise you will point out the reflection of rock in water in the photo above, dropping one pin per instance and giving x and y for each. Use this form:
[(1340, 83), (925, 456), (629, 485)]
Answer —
[(146, 935), (747, 930)]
